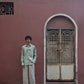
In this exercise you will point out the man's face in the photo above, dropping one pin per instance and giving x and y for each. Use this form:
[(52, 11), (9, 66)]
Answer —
[(28, 41)]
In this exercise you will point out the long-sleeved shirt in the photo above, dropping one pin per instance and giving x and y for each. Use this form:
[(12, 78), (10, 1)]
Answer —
[(28, 54)]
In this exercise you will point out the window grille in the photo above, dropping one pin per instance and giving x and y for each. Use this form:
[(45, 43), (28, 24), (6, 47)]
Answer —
[(6, 8)]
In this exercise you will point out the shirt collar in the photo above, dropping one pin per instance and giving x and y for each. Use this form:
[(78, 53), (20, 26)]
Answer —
[(29, 45)]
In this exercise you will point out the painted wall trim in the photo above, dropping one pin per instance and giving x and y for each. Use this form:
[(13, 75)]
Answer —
[(76, 42)]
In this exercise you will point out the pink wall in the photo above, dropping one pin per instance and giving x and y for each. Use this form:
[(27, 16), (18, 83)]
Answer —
[(29, 19)]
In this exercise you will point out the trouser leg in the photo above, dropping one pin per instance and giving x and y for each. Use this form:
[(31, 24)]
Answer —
[(25, 75), (32, 74)]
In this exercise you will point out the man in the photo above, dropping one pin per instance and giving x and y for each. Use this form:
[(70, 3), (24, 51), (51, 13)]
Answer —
[(28, 59)]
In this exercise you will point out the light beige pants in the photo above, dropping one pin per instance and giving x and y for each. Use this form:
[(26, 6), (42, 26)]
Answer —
[(28, 74)]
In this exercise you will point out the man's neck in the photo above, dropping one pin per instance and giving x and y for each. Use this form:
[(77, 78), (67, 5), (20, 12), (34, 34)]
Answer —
[(28, 44)]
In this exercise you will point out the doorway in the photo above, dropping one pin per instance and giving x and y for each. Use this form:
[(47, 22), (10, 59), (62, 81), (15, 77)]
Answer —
[(60, 50), (60, 55)]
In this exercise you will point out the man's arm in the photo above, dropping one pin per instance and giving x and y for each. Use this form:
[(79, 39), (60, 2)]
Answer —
[(34, 55), (22, 55)]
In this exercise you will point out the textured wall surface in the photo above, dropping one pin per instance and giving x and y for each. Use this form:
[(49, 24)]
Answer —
[(29, 19)]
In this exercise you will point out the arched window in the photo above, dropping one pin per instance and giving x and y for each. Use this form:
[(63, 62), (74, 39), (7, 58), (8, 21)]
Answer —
[(60, 49)]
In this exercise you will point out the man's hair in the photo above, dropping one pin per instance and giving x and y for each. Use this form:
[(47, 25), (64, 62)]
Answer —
[(28, 37)]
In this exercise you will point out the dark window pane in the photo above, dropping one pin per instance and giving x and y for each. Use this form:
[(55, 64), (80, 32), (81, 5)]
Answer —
[(6, 8)]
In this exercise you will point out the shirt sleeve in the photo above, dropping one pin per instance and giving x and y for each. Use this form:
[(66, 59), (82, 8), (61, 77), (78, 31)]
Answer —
[(22, 55), (34, 55)]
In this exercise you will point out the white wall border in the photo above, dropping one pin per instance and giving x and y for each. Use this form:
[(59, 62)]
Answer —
[(76, 43)]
